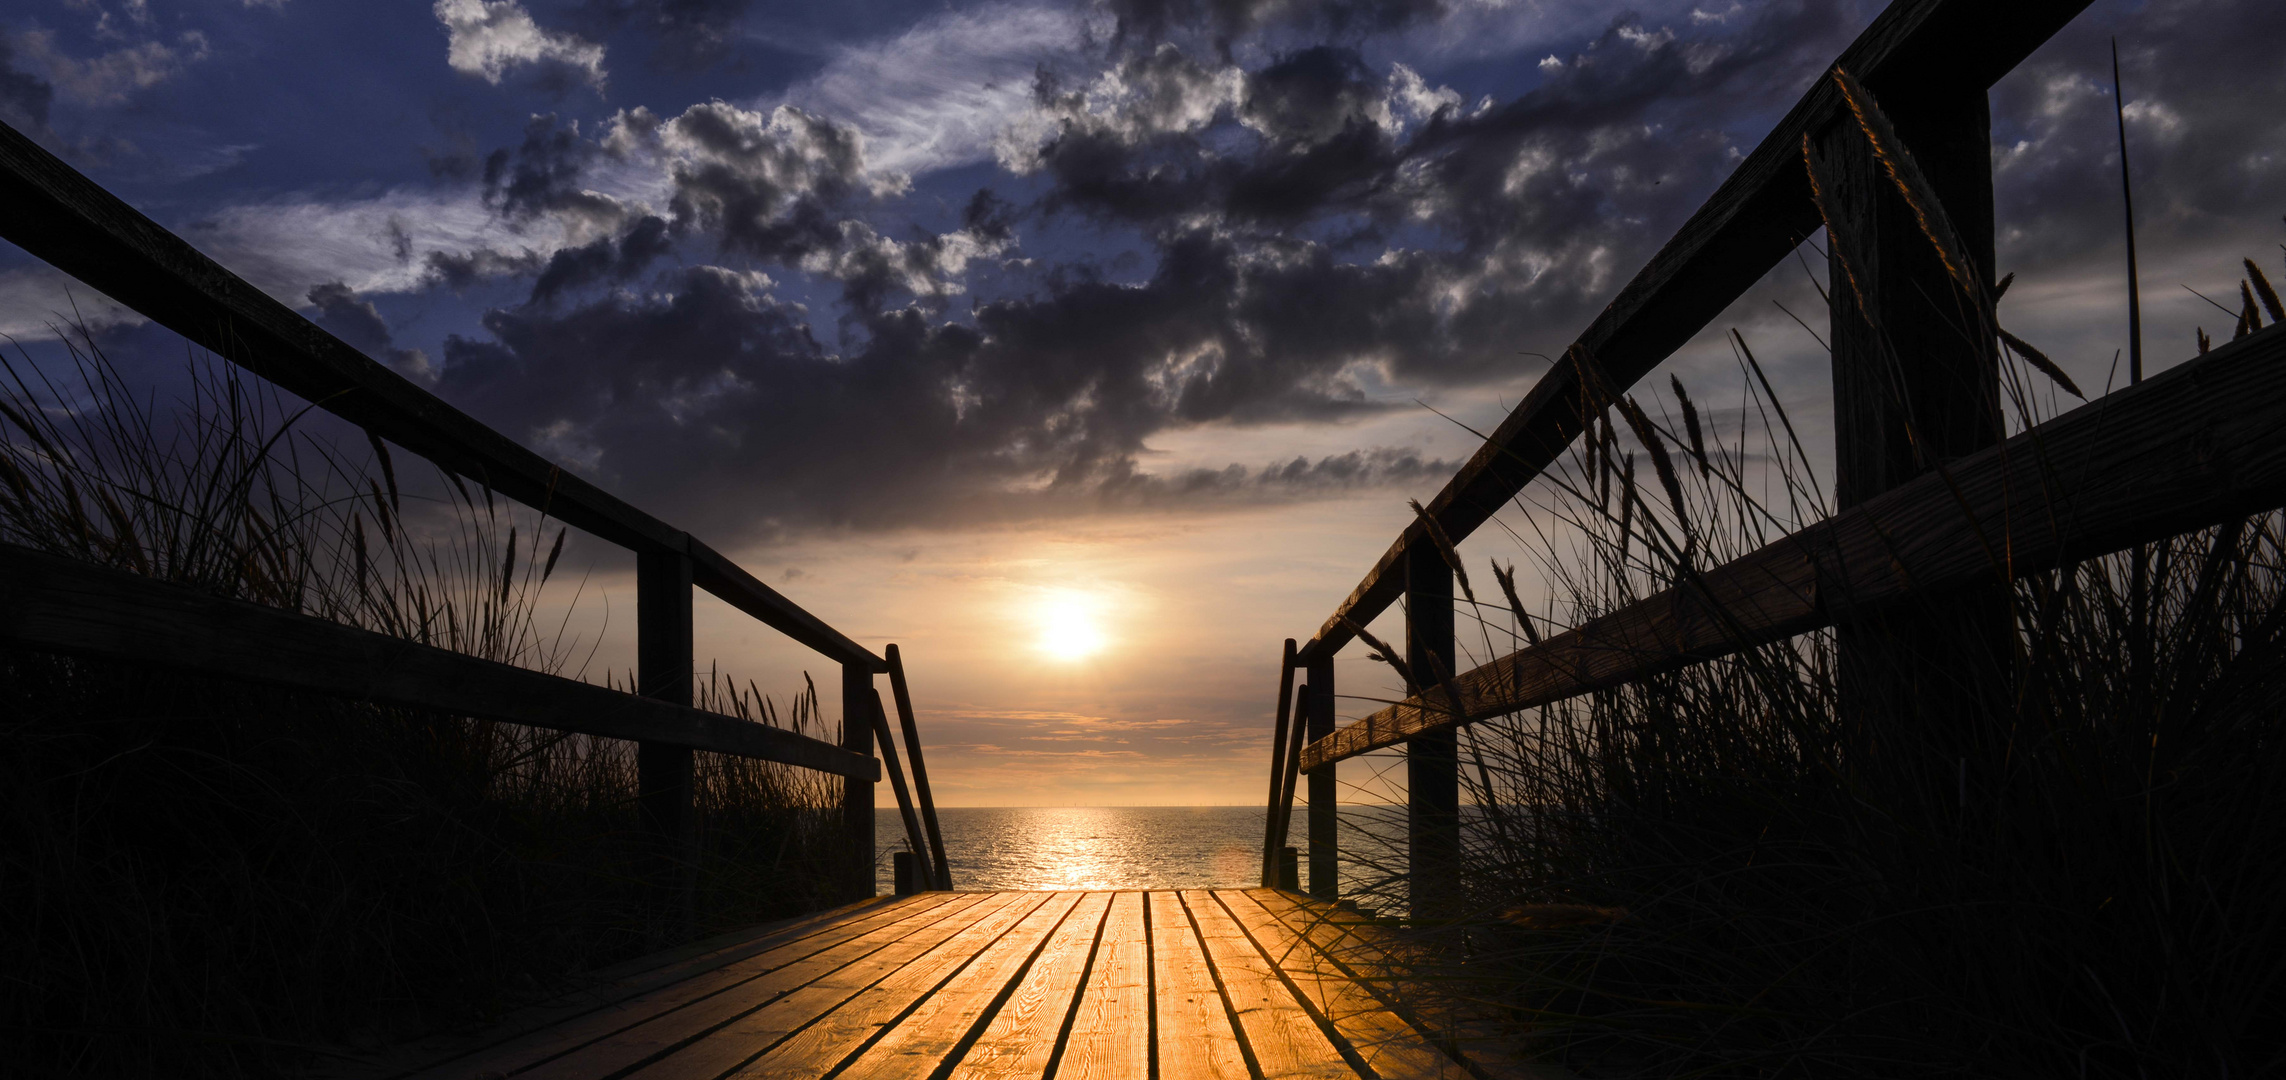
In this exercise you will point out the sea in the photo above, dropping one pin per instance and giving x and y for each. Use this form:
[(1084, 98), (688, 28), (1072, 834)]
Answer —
[(1101, 847)]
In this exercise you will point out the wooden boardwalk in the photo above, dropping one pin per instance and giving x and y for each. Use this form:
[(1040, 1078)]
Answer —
[(1168, 984)]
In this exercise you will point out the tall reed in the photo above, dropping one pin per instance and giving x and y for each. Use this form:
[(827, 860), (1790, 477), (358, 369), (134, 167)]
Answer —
[(208, 877)]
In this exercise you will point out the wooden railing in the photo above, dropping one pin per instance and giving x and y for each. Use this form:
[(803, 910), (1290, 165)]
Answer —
[(52, 211), (2194, 447)]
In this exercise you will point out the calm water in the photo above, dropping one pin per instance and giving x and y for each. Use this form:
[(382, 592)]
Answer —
[(1090, 847)]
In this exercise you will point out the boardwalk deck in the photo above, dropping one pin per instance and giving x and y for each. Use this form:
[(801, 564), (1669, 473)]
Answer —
[(1173, 985)]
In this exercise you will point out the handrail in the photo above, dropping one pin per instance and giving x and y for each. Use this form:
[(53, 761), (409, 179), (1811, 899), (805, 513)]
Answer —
[(2198, 445), (73, 224), (57, 604), (1759, 215)]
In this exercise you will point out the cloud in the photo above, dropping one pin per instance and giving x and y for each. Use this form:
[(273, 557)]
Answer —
[(106, 79), (488, 37), (937, 95), (359, 325), (24, 97), (690, 33)]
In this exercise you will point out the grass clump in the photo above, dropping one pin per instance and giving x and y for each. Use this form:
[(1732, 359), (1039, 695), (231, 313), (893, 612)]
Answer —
[(207, 877)]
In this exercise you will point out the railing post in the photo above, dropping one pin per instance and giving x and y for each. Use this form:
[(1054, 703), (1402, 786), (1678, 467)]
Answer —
[(664, 783), (1922, 389), (1325, 852), (1273, 832), (857, 702), (1432, 761)]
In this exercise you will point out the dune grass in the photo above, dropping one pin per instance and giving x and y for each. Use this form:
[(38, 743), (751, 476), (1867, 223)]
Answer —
[(1742, 869), (206, 877)]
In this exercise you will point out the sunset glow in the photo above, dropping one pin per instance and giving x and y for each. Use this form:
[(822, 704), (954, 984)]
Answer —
[(1070, 625)]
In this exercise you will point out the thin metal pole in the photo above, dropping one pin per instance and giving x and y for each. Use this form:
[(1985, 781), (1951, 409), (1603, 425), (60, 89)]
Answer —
[(920, 770), (1272, 835)]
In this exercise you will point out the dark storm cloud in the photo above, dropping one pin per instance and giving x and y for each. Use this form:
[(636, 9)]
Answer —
[(606, 258), (715, 396), (689, 33), (359, 324), (2206, 118), (24, 97), (1225, 21), (543, 174)]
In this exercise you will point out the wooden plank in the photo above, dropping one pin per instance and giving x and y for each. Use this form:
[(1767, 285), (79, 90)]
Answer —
[(818, 1048), (1194, 1036), (1020, 1042), (678, 988), (72, 224), (787, 1009), (602, 988), (1285, 1039), (1449, 1010), (2195, 446), (1110, 1034), (1758, 216), (57, 604), (950, 1018), (1389, 1045)]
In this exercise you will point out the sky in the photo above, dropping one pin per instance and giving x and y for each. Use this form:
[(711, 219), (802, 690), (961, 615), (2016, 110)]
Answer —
[(1083, 350)]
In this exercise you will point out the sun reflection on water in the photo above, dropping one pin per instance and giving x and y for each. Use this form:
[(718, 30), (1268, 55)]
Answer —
[(1100, 847)]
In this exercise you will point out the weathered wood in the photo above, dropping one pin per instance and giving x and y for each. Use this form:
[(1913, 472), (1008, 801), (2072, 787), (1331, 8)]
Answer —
[(857, 706), (2198, 445), (1296, 733), (1283, 1038), (666, 789), (788, 1007), (914, 838), (59, 605), (819, 1048), (1110, 1031), (1460, 1015), (1273, 831), (1325, 806), (942, 867), (1758, 216), (1916, 383), (1388, 1045), (1020, 1042), (1195, 1038), (1432, 758), (933, 1033), (681, 1008), (620, 984), (1014, 986), (71, 223)]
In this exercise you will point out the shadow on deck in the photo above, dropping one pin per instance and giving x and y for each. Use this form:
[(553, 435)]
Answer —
[(1167, 984)]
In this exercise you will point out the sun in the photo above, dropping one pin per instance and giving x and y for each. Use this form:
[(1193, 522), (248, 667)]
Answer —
[(1070, 625)]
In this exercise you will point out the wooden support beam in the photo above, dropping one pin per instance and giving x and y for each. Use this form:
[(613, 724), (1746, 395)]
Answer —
[(665, 788), (1916, 378), (59, 605), (942, 866), (1282, 803), (2192, 447), (1432, 758), (72, 224), (1324, 846), (1273, 832), (915, 839), (1759, 215), (857, 795)]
